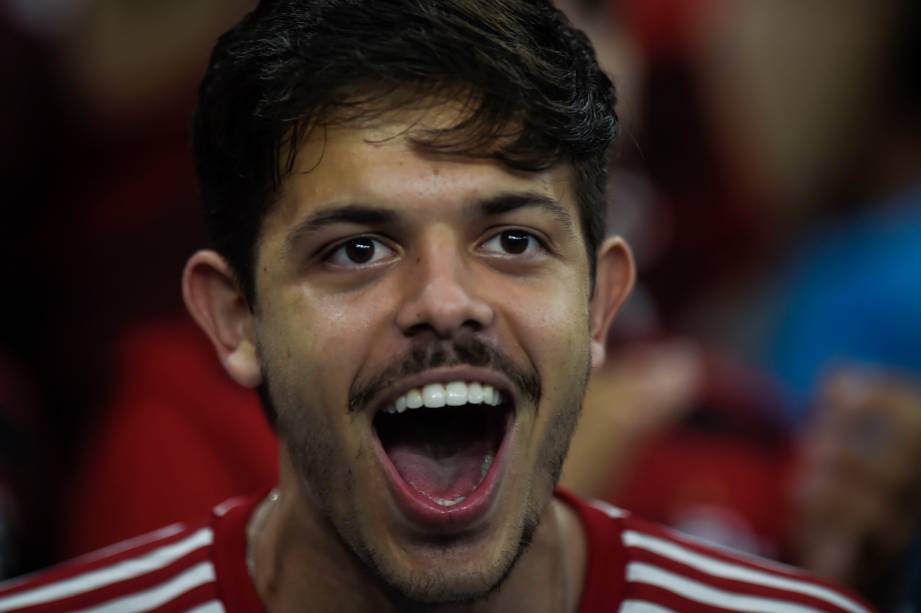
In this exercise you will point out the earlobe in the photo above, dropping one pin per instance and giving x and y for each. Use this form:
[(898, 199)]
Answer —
[(614, 278), (598, 353), (213, 298)]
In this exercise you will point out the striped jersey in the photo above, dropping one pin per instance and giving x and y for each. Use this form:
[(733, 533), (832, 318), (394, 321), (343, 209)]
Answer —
[(633, 566)]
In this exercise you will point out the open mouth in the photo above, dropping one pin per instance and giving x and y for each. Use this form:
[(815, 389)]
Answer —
[(443, 440)]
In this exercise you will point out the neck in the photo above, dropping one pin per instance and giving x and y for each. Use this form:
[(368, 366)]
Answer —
[(297, 558)]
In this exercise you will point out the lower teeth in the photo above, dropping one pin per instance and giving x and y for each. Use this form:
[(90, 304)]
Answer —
[(487, 462), (445, 502), (449, 503)]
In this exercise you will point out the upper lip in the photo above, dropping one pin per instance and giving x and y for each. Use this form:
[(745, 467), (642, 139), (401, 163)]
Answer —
[(442, 375)]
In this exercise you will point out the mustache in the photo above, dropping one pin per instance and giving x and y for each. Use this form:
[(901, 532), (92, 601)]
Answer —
[(462, 351)]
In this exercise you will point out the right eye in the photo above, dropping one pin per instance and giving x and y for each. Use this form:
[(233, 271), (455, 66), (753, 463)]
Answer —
[(360, 252)]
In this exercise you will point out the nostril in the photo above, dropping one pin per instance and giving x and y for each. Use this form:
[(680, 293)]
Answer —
[(473, 325), (420, 329), (444, 306)]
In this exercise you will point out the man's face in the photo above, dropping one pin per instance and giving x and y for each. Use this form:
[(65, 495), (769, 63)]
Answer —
[(387, 277)]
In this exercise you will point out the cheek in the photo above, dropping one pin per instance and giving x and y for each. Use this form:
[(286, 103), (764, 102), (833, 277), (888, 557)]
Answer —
[(316, 344), (553, 328)]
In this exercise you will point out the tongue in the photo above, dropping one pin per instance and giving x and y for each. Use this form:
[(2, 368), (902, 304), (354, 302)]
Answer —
[(438, 470), (441, 452)]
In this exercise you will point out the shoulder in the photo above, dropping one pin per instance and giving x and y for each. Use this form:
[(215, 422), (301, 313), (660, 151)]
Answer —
[(657, 569), (169, 569)]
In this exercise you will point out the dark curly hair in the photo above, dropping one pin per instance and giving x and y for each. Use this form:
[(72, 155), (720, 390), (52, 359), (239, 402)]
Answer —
[(534, 97)]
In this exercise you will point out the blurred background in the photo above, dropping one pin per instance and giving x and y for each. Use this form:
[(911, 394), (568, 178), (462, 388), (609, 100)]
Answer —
[(764, 382)]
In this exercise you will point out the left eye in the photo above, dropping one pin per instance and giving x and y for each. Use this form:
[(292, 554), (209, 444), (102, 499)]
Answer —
[(360, 251), (513, 242)]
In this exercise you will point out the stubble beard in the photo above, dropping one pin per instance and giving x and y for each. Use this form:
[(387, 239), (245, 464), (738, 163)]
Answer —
[(313, 457)]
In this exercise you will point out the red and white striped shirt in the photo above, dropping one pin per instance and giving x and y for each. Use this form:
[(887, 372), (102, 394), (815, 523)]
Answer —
[(634, 566), (198, 568)]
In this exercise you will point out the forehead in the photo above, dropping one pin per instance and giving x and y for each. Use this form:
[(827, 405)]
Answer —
[(380, 163)]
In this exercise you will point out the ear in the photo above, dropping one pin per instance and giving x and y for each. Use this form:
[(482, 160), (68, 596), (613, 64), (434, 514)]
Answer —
[(214, 299), (614, 277)]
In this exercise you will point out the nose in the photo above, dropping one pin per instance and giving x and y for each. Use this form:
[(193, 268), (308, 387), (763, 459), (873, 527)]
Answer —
[(441, 294)]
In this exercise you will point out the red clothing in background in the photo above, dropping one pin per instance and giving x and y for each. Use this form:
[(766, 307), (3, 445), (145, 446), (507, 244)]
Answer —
[(177, 437)]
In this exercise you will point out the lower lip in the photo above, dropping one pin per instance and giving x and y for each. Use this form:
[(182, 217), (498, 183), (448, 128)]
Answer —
[(425, 513)]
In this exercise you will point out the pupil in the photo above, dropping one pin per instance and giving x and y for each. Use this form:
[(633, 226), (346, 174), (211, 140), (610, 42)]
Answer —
[(514, 242), (360, 250)]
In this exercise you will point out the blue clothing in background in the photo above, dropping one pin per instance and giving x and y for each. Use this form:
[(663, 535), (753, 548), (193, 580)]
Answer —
[(853, 295)]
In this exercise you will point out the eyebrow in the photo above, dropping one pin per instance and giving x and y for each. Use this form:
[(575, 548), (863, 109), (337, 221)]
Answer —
[(511, 201), (369, 215), (358, 214)]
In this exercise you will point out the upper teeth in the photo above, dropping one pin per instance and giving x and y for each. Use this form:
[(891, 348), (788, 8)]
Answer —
[(452, 394)]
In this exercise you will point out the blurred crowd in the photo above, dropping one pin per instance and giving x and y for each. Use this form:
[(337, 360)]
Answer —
[(764, 386)]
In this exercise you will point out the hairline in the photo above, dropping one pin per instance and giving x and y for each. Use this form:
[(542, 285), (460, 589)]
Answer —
[(286, 155)]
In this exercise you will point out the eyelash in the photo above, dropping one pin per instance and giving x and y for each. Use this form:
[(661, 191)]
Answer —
[(379, 242), (340, 247), (538, 242)]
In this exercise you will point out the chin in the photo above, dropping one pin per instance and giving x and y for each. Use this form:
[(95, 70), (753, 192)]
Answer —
[(443, 581), (446, 572), (466, 567)]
